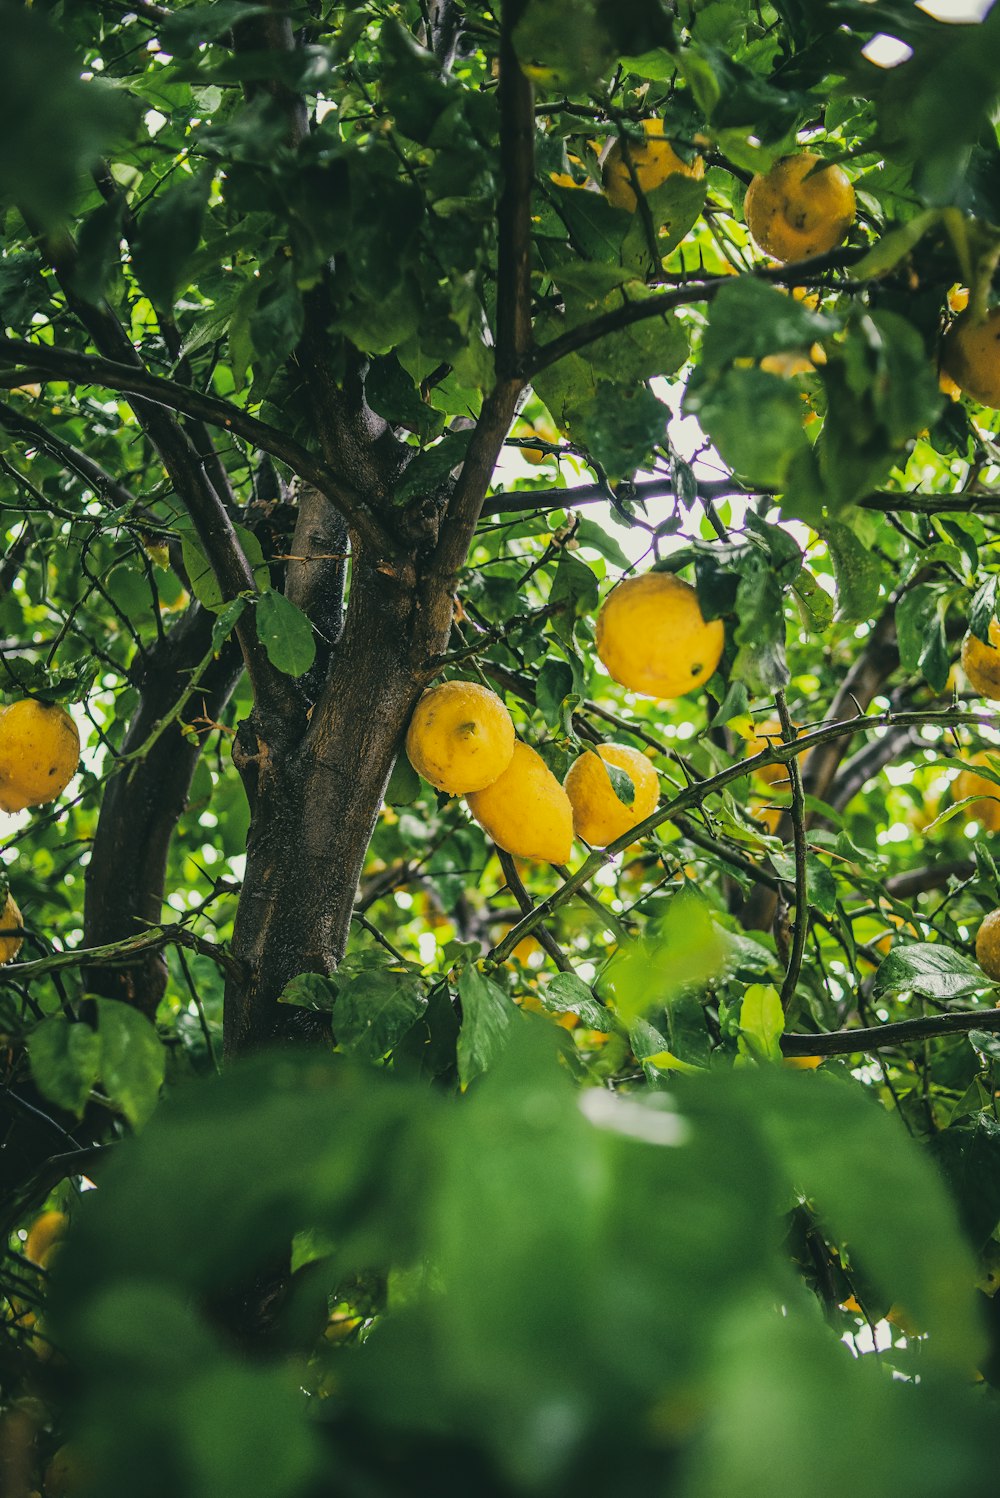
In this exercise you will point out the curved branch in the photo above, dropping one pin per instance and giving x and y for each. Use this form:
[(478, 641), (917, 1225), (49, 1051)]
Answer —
[(802, 272), (88, 369), (693, 795), (873, 1037)]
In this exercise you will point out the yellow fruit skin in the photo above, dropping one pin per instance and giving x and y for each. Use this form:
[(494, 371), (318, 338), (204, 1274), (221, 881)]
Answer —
[(526, 811), (971, 356), (598, 815), (39, 753), (985, 811), (654, 160), (803, 1063), (981, 663), (793, 215), (461, 737), (652, 637), (988, 945), (44, 1233), (10, 920)]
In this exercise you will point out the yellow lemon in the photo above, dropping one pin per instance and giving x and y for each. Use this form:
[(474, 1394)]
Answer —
[(598, 815), (653, 161), (981, 663), (39, 753), (803, 1063), (793, 211), (461, 737), (988, 945), (652, 637), (10, 921), (43, 1235), (971, 356), (985, 811), (526, 811)]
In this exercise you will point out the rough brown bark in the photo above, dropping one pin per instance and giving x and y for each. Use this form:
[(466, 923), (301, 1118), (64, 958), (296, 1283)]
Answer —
[(314, 804), (127, 871)]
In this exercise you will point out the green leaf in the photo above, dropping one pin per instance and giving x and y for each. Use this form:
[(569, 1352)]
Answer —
[(817, 605), (376, 1005), (621, 783), (754, 419), (821, 886), (430, 469), (983, 609), (167, 237), (857, 571), (762, 1021), (574, 585), (986, 1042), (927, 968), (133, 1060), (201, 576), (760, 629), (565, 993), (969, 1158), (749, 319), (53, 125), (487, 1017), (285, 633), (310, 991), (684, 953), (554, 685), (65, 1060), (404, 783)]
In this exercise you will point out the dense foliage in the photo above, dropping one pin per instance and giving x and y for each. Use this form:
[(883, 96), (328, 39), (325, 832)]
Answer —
[(305, 303)]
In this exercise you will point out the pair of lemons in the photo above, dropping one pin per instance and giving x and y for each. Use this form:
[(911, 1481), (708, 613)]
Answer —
[(39, 753), (802, 206), (652, 637)]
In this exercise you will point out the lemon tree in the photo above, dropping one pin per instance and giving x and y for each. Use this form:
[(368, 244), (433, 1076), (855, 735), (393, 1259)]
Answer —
[(498, 725)]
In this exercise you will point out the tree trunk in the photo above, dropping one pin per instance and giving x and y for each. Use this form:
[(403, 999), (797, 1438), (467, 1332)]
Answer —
[(128, 862), (314, 804)]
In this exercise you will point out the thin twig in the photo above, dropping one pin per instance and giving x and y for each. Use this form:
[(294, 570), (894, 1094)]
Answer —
[(801, 925)]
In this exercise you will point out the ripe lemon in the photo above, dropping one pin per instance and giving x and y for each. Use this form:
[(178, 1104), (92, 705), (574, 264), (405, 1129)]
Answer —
[(652, 637), (971, 356), (988, 945), (10, 920), (653, 160), (985, 811), (461, 737), (43, 1235), (981, 663), (792, 214), (39, 753), (526, 811), (803, 1063), (598, 815)]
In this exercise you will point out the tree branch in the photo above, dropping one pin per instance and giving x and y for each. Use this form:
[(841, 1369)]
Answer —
[(513, 319), (799, 842), (693, 795), (799, 273), (874, 1037), (88, 369)]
